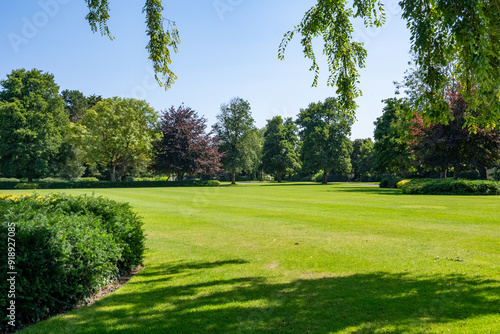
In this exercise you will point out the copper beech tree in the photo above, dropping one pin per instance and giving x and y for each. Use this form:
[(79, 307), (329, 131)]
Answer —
[(185, 148), (454, 145)]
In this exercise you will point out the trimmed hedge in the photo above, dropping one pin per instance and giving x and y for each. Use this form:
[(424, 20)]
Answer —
[(451, 187), (108, 184), (389, 182), (66, 249)]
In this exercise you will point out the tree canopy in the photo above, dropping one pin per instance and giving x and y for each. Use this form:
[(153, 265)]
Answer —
[(118, 133), (454, 145), (443, 32), (392, 136), (185, 148), (32, 123), (323, 130), (234, 129), (280, 150)]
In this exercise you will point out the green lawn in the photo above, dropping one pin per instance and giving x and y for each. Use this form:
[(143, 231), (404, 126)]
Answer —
[(298, 258)]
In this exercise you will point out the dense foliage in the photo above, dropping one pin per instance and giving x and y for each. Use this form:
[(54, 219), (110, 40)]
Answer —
[(323, 131), (66, 249), (450, 186), (281, 147), (185, 148), (139, 183), (32, 124), (118, 133), (392, 136), (455, 144), (234, 131)]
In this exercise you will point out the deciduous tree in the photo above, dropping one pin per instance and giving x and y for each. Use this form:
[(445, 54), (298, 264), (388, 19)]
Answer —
[(280, 150), (118, 133), (392, 136), (234, 130), (323, 130), (185, 148), (455, 144), (32, 124)]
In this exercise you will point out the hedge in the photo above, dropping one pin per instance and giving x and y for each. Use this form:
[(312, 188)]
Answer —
[(389, 182), (66, 249), (450, 186), (107, 184)]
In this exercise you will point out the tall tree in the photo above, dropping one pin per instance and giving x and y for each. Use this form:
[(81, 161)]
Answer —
[(234, 129), (442, 146), (76, 104), (391, 137), (323, 130), (118, 133), (362, 159), (280, 154), (32, 124), (185, 148)]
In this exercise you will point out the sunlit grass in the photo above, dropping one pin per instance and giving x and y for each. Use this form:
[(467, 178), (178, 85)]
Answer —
[(304, 258)]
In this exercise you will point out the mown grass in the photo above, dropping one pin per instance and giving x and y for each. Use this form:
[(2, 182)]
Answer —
[(297, 258)]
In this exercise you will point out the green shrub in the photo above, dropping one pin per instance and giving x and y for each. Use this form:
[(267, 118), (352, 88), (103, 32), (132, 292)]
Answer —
[(5, 179), (318, 177), (52, 179), (389, 182), (450, 186), (401, 183), (107, 184), (87, 179), (66, 249), (26, 186)]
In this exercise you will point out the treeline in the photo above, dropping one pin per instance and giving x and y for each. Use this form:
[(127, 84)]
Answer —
[(47, 134)]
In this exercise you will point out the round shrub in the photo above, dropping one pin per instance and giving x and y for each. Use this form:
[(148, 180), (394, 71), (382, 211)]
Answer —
[(401, 183), (389, 182), (66, 249)]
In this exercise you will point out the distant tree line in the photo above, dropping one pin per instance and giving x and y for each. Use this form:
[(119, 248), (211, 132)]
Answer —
[(44, 133)]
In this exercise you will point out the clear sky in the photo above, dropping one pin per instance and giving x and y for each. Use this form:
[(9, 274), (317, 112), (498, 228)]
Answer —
[(228, 48)]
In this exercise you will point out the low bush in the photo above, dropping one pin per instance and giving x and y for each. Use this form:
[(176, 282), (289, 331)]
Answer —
[(22, 185), (108, 184), (6, 179), (87, 179), (450, 186), (66, 248), (401, 183), (389, 182)]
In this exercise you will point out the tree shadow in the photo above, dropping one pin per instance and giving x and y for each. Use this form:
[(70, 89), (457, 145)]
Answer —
[(368, 190), (369, 303)]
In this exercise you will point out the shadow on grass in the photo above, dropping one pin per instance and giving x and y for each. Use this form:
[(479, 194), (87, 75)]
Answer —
[(369, 302), (368, 190)]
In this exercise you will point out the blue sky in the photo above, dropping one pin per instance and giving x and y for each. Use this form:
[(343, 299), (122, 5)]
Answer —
[(228, 48)]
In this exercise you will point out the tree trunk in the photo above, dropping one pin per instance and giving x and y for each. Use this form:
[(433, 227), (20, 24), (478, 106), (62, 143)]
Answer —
[(325, 176), (180, 176), (113, 173), (279, 177), (261, 175), (233, 176), (30, 179), (444, 173)]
